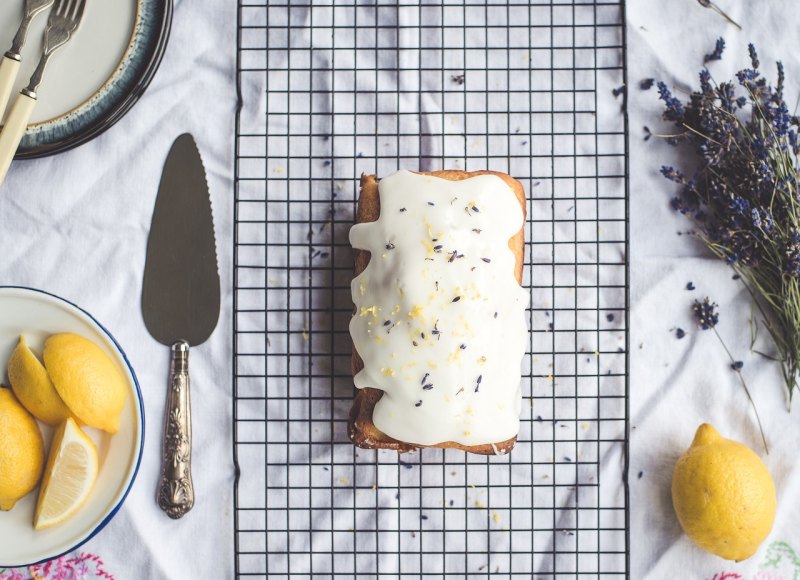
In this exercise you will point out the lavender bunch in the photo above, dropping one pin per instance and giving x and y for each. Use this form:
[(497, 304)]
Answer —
[(743, 196)]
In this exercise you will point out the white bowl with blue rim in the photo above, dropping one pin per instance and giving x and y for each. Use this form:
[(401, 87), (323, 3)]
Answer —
[(37, 315), (96, 78)]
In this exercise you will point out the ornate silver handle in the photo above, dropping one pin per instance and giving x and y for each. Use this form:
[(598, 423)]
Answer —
[(175, 489)]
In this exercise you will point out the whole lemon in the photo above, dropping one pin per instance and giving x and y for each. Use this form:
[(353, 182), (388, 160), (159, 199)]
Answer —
[(33, 387), (21, 451), (86, 379), (723, 495)]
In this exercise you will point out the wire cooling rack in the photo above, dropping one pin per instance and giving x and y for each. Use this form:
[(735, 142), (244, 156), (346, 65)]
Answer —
[(331, 89)]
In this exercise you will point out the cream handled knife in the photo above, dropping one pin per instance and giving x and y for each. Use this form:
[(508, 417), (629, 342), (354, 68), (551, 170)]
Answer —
[(64, 19), (9, 67)]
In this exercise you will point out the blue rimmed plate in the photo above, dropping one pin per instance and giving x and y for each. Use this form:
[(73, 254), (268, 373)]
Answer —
[(97, 77), (37, 314)]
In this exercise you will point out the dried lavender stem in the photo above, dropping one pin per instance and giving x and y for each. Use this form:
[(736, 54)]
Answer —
[(718, 10), (746, 390)]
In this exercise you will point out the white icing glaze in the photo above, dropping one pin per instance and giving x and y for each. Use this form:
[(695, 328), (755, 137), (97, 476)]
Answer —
[(439, 318)]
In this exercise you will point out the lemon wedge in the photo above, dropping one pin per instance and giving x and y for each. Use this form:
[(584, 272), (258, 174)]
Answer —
[(86, 379), (21, 451), (33, 387), (69, 476)]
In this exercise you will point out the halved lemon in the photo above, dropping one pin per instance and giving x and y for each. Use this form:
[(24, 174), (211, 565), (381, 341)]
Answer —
[(69, 476)]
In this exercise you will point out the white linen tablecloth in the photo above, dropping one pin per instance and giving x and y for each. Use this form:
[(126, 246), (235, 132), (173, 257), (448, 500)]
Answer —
[(677, 384), (76, 225)]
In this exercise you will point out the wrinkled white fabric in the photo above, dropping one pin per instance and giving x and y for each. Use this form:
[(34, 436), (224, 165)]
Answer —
[(676, 385), (76, 225)]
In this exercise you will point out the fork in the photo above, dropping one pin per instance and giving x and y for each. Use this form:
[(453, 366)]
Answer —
[(61, 25), (9, 67)]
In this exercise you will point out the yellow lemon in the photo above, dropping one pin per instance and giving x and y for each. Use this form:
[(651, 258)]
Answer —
[(87, 380), (21, 451), (723, 495), (69, 477), (33, 387)]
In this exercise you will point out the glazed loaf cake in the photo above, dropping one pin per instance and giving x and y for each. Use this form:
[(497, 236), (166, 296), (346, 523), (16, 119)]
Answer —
[(438, 330)]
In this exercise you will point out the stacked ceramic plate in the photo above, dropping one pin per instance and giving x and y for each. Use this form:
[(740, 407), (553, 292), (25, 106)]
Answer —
[(97, 77)]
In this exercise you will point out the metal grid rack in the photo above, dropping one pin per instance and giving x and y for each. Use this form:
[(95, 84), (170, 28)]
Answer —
[(334, 88)]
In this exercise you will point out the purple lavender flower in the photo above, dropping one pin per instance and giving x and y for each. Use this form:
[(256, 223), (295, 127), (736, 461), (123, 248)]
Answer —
[(705, 82), (705, 313), (716, 54), (746, 75), (739, 205), (682, 205), (756, 215), (726, 92), (673, 174), (674, 108), (781, 120), (762, 220), (792, 264), (753, 55)]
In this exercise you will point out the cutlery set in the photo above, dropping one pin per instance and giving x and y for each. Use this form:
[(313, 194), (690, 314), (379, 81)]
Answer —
[(62, 23), (13, 57), (181, 286)]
